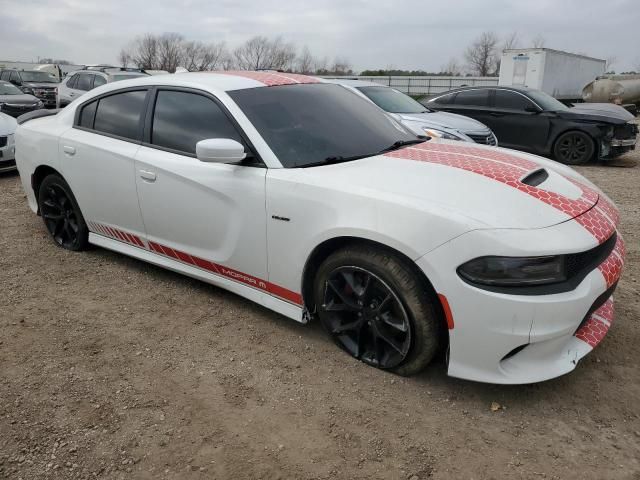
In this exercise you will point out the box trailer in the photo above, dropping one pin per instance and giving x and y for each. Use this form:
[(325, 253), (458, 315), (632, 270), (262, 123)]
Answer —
[(560, 74)]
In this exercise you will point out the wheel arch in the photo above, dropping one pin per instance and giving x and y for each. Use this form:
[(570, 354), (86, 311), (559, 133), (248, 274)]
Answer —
[(38, 175), (594, 134), (322, 251)]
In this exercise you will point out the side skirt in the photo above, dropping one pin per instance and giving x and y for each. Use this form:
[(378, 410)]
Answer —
[(272, 303)]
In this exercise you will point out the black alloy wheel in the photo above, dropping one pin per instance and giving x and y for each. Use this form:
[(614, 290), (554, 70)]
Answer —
[(366, 317), (61, 214), (574, 148)]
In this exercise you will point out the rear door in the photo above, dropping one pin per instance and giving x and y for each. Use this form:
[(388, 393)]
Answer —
[(98, 156), (208, 215), (516, 127), (471, 103)]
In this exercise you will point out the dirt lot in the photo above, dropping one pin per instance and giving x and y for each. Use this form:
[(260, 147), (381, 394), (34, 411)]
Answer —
[(113, 368)]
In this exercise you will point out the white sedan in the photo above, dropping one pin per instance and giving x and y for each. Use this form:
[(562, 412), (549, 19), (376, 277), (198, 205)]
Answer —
[(7, 148), (306, 198)]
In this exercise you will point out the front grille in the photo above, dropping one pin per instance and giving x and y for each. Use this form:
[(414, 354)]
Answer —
[(623, 132), (483, 139), (3, 142)]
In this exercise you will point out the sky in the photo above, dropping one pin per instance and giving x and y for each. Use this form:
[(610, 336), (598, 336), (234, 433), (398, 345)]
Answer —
[(373, 34)]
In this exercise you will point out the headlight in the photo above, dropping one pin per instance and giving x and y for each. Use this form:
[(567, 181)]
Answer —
[(27, 90), (440, 134), (514, 271)]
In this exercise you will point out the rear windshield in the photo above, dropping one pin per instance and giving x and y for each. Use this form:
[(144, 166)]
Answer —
[(392, 101), (309, 123)]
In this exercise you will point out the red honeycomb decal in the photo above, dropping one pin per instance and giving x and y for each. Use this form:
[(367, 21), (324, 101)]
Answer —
[(596, 224), (611, 268), (482, 153), (271, 79), (595, 329)]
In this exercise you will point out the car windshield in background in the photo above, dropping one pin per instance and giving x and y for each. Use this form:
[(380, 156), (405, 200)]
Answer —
[(40, 77), (9, 89), (546, 101), (117, 78), (311, 124), (392, 101)]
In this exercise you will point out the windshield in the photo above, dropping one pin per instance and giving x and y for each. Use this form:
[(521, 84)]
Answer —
[(546, 101), (117, 78), (40, 77), (9, 89), (392, 101), (317, 123)]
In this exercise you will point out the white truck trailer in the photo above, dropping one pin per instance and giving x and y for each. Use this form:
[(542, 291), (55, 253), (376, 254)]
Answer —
[(562, 75)]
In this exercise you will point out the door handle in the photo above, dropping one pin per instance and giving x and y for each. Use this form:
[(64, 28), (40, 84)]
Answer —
[(68, 150), (147, 175)]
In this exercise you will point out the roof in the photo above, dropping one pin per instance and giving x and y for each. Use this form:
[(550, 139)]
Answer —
[(485, 87), (561, 52)]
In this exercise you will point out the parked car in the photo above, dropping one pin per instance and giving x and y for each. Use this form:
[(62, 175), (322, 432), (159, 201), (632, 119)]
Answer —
[(42, 85), (7, 144), (14, 102), (80, 82), (532, 121), (419, 118), (313, 202)]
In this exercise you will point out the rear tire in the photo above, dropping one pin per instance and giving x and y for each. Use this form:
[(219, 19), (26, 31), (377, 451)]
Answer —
[(377, 309), (574, 148), (61, 215)]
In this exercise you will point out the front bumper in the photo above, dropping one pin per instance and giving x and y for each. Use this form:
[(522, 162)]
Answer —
[(516, 339)]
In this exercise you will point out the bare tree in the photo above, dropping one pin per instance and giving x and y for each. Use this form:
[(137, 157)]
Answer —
[(511, 41), (305, 61), (169, 51), (199, 57), (259, 53), (341, 66), (539, 41), (481, 54), (452, 68), (124, 57), (143, 52)]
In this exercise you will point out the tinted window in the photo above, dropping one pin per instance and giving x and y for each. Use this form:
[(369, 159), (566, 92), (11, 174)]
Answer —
[(84, 82), (71, 83), (5, 75), (7, 88), (507, 100), (37, 76), (15, 77), (392, 101), (308, 123), (87, 115), (120, 114), (98, 80), (474, 98), (546, 101), (180, 120)]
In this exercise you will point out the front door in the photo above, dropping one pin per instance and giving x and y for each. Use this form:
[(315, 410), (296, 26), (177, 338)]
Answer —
[(207, 215)]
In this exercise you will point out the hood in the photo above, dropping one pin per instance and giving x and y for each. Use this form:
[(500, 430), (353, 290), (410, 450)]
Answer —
[(490, 187), (592, 115), (39, 84), (7, 125), (607, 109), (19, 99), (445, 120)]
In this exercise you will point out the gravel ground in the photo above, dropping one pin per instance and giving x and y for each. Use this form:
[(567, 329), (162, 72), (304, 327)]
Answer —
[(112, 368)]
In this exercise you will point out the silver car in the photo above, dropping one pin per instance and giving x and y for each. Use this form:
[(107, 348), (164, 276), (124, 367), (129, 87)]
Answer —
[(80, 82), (419, 118)]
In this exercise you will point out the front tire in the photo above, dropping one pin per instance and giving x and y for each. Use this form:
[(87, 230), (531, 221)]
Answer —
[(61, 214), (574, 148), (377, 309)]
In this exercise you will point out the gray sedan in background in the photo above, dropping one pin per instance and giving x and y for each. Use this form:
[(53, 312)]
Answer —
[(419, 118)]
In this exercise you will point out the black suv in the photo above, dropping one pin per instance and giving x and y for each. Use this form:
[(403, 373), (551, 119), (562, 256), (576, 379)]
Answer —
[(33, 82), (530, 120)]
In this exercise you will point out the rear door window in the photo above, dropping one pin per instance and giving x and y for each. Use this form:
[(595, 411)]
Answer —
[(99, 80), (473, 98), (84, 82), (71, 83), (121, 114)]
